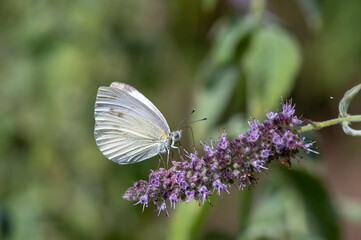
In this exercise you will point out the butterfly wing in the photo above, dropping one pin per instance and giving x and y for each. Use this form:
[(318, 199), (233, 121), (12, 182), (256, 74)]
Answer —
[(127, 138), (128, 127), (122, 97)]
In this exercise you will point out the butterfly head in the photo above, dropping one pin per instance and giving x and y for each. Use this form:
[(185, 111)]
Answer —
[(175, 136)]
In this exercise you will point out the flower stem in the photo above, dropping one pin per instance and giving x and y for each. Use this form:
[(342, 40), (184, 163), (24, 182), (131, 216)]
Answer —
[(318, 125)]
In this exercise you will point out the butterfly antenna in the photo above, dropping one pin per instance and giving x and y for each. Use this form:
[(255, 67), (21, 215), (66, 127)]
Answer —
[(199, 120), (182, 122)]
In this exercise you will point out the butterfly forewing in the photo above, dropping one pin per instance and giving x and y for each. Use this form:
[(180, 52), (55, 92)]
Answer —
[(121, 97)]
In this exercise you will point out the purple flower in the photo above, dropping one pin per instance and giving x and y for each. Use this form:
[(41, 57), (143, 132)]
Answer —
[(214, 166), (154, 179), (288, 110), (219, 186), (265, 153), (271, 115), (253, 136), (190, 195), (180, 176), (195, 162), (173, 198), (143, 200), (209, 150), (183, 185), (162, 207), (203, 191), (194, 178), (257, 164), (277, 140), (244, 181), (222, 142), (231, 162), (296, 121)]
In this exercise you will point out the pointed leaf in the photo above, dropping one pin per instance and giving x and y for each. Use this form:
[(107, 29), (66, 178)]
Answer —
[(213, 98), (321, 211), (229, 37), (270, 65), (278, 214)]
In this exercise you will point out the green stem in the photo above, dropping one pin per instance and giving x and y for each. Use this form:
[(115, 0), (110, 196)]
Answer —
[(245, 210), (257, 9), (319, 125)]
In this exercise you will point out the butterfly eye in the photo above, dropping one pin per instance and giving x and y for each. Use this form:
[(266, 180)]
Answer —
[(176, 136)]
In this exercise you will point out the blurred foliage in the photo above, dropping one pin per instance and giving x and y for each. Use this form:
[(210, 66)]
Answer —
[(228, 59)]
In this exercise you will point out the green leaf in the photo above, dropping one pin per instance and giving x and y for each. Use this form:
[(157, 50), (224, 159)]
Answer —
[(187, 220), (270, 66), (292, 205), (215, 95), (323, 218), (343, 107), (278, 213), (228, 39), (311, 13)]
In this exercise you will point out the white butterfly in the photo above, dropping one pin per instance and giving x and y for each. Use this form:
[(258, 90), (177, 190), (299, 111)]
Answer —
[(128, 127)]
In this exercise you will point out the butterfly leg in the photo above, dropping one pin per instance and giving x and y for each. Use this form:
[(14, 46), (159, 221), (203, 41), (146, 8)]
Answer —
[(160, 159), (190, 128), (168, 157), (180, 149)]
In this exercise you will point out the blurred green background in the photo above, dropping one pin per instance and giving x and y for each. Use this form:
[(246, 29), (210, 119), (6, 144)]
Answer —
[(229, 59)]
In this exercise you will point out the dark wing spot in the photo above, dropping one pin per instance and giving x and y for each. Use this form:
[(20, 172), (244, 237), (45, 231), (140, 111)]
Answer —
[(127, 88)]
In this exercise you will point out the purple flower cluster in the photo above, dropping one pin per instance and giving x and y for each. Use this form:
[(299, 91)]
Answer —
[(227, 163)]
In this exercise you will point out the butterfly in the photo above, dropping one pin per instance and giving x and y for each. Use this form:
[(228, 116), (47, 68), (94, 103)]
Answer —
[(128, 127)]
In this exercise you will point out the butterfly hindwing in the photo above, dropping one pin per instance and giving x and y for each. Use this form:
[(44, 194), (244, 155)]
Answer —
[(126, 138)]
